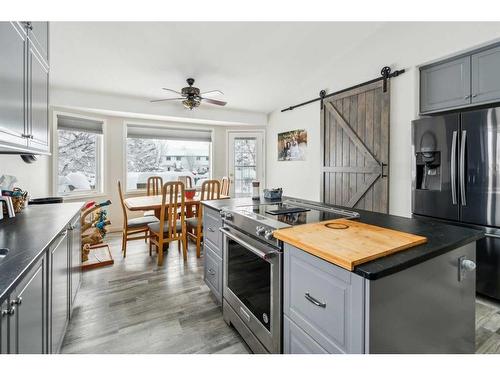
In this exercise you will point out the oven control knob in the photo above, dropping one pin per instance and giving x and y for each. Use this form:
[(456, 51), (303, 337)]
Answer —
[(260, 230), (228, 216), (268, 235)]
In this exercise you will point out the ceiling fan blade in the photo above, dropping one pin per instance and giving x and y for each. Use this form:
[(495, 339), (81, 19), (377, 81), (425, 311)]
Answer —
[(212, 92), (213, 101), (176, 92), (164, 100)]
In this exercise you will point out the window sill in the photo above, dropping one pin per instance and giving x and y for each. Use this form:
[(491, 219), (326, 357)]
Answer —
[(77, 197)]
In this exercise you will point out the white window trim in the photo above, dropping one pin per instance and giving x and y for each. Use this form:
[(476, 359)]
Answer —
[(264, 149), (101, 158), (128, 122)]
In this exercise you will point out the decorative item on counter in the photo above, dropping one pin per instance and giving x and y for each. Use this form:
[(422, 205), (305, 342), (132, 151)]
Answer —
[(18, 199), (274, 194), (94, 220), (256, 190)]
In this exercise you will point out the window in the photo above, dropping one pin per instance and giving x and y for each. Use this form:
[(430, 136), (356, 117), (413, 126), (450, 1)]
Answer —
[(168, 153), (79, 156)]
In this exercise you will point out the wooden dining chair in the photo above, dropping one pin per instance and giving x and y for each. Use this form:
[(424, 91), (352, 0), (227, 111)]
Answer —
[(153, 187), (187, 180), (210, 189), (224, 185), (133, 229), (171, 226)]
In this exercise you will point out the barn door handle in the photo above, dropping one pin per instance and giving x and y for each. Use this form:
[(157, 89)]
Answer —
[(384, 169)]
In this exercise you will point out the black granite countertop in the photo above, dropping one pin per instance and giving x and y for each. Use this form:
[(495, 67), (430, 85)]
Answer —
[(27, 235), (441, 238)]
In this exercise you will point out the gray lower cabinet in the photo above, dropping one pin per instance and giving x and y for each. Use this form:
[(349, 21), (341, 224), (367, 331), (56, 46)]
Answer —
[(213, 272), (212, 244), (28, 324), (59, 290), (445, 85), (486, 76), (296, 341), (34, 317), (23, 318), (211, 234), (325, 301), (4, 329), (75, 257)]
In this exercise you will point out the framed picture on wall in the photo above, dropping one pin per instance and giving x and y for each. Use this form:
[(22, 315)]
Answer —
[(292, 145)]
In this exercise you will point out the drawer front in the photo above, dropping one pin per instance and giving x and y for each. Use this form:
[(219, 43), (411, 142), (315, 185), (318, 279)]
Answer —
[(324, 300), (211, 224), (296, 341), (213, 272)]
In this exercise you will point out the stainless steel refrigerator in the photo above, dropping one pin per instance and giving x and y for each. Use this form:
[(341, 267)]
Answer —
[(456, 177)]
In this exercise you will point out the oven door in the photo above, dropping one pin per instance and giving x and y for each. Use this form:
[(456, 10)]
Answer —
[(252, 285)]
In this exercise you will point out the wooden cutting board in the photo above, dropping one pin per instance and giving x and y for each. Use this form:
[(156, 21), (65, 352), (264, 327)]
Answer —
[(347, 243)]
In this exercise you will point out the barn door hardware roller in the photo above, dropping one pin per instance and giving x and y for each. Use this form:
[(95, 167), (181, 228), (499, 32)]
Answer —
[(385, 73)]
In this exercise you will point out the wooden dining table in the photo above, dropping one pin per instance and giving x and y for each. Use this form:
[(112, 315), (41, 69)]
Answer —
[(153, 202)]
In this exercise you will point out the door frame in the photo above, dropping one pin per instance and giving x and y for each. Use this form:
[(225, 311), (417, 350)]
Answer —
[(230, 135)]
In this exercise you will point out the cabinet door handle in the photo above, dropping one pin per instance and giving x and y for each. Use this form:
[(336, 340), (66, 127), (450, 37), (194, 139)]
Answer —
[(211, 229), (17, 301), (211, 272), (10, 311), (28, 136), (314, 301), (475, 95), (467, 97)]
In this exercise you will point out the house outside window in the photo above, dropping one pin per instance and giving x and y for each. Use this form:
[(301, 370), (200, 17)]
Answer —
[(168, 153)]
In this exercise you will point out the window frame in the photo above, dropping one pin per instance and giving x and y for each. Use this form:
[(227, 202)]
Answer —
[(128, 122), (100, 156)]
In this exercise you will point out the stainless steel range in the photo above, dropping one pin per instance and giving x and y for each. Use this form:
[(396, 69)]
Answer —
[(253, 266)]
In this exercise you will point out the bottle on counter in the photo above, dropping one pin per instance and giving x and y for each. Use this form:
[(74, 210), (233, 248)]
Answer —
[(256, 190)]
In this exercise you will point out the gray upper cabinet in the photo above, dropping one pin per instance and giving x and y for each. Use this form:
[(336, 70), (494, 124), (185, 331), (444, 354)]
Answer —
[(24, 87), (446, 85), (461, 82), (486, 76), (39, 36), (38, 97), (12, 86)]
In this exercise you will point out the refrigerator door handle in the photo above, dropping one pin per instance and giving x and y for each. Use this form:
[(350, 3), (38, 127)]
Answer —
[(462, 167), (453, 168)]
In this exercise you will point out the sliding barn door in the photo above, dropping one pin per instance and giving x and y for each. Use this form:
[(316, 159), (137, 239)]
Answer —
[(355, 138)]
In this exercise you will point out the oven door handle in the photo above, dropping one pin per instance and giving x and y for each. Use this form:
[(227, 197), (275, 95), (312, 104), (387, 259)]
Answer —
[(261, 254)]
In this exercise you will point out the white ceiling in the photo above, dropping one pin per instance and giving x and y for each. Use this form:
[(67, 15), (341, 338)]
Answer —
[(259, 66)]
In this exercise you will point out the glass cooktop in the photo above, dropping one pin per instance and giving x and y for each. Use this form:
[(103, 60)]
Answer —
[(294, 214)]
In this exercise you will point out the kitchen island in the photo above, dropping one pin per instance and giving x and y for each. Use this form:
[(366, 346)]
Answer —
[(420, 300)]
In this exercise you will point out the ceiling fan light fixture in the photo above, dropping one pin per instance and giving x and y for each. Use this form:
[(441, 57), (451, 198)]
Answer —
[(191, 103)]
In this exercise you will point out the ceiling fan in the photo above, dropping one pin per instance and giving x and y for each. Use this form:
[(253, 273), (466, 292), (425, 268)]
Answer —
[(191, 96)]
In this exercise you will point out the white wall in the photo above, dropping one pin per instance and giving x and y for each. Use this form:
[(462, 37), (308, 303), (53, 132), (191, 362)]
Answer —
[(32, 177), (400, 45)]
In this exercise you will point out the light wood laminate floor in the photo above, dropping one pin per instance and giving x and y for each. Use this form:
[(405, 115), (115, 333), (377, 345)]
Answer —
[(135, 306)]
